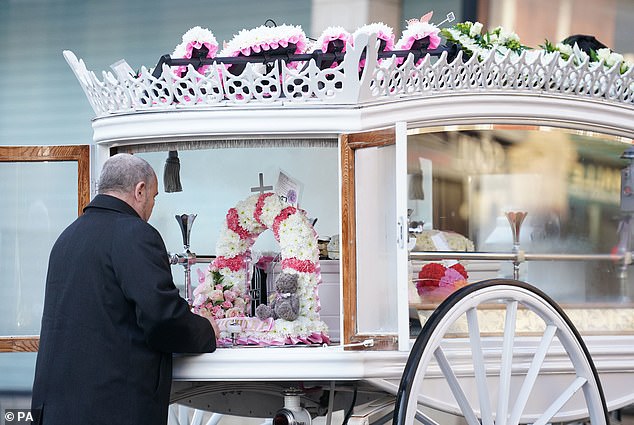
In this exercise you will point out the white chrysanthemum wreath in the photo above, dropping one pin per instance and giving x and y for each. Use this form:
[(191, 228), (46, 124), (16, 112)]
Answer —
[(264, 39), (194, 40), (224, 292)]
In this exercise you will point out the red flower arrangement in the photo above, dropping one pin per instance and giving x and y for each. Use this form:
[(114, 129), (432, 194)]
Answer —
[(435, 281)]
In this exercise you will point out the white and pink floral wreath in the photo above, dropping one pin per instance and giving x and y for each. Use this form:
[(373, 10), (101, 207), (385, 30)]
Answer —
[(223, 290)]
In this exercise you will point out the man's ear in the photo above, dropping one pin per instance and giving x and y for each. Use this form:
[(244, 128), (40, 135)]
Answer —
[(139, 190)]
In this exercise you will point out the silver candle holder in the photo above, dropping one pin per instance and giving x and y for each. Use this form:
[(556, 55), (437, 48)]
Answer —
[(187, 259), (515, 219)]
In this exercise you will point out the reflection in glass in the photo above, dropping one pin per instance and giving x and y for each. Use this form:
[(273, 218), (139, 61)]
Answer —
[(568, 183), (39, 199)]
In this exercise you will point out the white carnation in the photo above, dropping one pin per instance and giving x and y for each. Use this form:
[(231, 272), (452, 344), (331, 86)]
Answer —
[(475, 29), (614, 58), (566, 49)]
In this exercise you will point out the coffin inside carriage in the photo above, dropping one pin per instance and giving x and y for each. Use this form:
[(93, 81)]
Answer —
[(420, 175)]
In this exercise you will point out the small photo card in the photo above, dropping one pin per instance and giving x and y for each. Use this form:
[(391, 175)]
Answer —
[(288, 188)]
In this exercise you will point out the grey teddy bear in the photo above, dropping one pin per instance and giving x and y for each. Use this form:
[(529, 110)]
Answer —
[(285, 304)]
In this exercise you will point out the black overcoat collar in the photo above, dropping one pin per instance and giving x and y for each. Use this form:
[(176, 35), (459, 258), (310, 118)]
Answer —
[(109, 202)]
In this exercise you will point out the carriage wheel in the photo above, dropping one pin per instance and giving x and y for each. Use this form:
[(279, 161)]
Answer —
[(506, 382)]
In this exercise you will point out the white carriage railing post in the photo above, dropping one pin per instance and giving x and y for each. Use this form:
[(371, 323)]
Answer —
[(351, 81)]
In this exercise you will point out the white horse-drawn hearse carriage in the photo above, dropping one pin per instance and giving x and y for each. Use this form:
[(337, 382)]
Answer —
[(434, 185)]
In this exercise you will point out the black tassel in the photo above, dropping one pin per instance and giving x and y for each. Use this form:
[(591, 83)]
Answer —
[(171, 174)]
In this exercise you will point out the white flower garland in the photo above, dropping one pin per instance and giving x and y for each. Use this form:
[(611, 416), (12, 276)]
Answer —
[(468, 35)]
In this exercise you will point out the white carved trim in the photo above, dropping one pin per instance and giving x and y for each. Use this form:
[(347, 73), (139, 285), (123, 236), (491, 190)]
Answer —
[(534, 72)]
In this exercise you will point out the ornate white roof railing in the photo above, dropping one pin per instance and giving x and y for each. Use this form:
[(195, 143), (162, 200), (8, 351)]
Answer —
[(534, 72)]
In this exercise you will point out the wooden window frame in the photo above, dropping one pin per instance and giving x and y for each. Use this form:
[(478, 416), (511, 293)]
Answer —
[(74, 153), (348, 246)]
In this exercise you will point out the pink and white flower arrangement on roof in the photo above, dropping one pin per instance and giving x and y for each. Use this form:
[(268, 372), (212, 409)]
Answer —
[(332, 34), (383, 32), (196, 41), (263, 38), (418, 29), (229, 272)]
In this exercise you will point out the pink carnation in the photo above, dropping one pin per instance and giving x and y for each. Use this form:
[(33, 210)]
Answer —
[(259, 205), (230, 295), (233, 223), (451, 277), (234, 263), (283, 215), (305, 266)]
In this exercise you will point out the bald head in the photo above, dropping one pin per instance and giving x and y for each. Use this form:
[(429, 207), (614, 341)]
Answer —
[(130, 179), (122, 172)]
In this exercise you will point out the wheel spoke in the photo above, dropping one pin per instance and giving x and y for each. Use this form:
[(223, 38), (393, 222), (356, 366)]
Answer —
[(197, 419), (560, 401), (507, 363), (172, 417), (454, 385), (478, 366), (183, 415), (424, 419), (215, 418), (531, 374)]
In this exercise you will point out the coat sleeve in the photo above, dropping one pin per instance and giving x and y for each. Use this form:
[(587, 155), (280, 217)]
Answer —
[(142, 267)]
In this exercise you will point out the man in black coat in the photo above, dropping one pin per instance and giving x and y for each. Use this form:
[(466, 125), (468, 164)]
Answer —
[(112, 315)]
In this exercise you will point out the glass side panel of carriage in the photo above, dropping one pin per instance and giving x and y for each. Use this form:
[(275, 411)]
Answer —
[(215, 179), (466, 186)]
